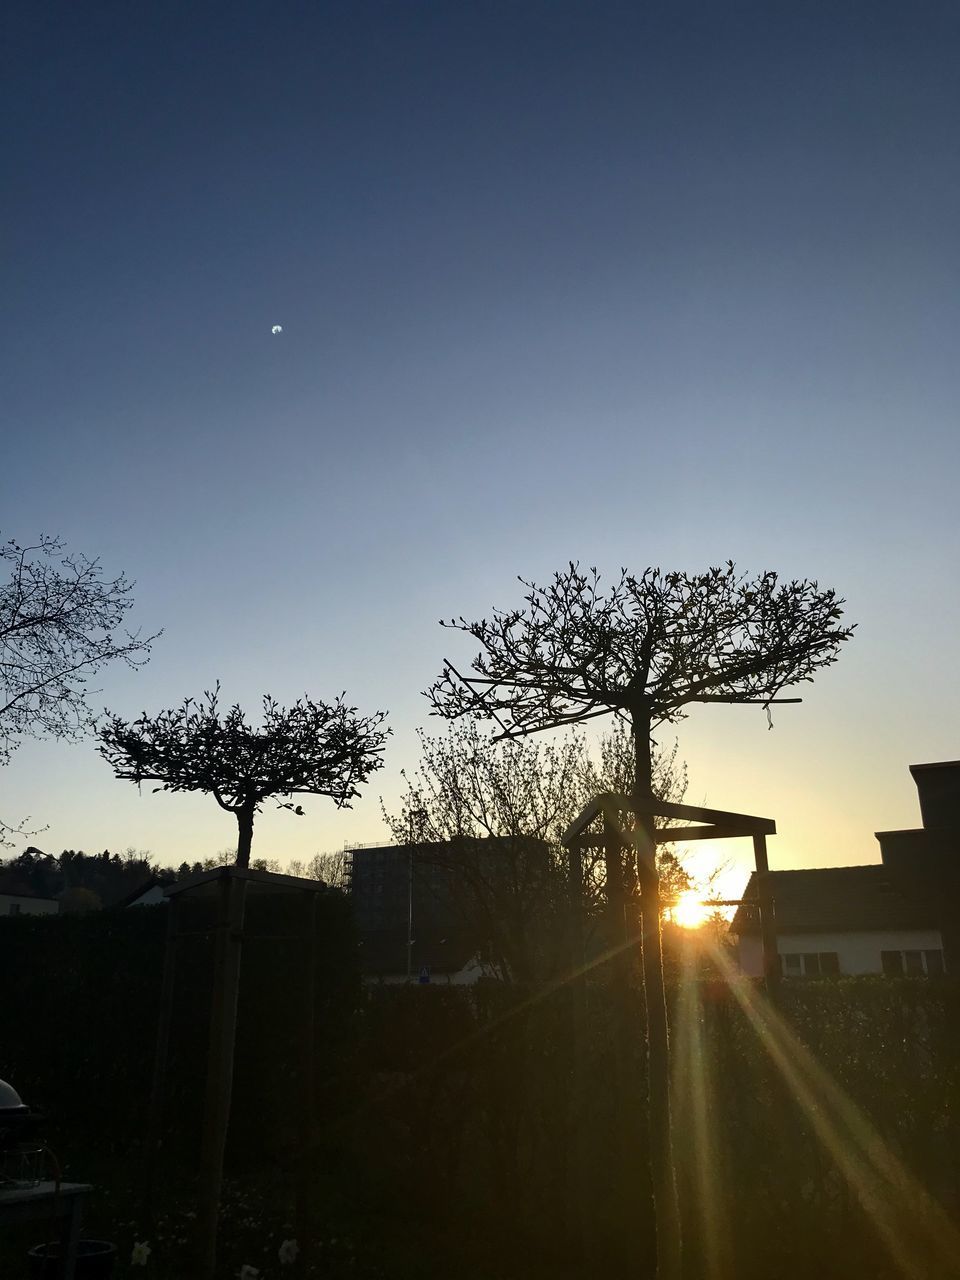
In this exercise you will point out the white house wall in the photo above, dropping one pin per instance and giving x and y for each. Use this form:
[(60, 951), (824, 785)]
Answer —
[(151, 897), (857, 952), (12, 904)]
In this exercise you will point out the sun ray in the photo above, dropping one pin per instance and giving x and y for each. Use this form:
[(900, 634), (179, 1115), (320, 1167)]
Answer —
[(918, 1235), (692, 1094)]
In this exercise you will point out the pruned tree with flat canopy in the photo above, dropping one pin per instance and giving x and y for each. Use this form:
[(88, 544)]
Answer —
[(643, 649), (309, 748)]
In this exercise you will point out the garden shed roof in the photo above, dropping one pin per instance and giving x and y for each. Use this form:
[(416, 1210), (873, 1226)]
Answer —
[(262, 880)]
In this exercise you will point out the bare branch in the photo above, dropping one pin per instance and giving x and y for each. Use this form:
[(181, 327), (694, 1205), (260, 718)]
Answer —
[(651, 643), (60, 623)]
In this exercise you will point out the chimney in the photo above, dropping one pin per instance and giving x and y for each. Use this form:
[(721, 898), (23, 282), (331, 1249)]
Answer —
[(938, 786)]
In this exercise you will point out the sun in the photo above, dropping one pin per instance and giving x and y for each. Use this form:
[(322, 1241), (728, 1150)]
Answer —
[(690, 911)]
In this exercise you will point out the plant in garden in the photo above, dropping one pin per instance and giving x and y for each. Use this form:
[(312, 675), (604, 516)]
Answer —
[(493, 814), (309, 748), (140, 1254), (644, 649), (287, 1253)]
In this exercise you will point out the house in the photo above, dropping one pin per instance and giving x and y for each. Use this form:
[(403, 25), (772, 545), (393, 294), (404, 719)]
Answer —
[(24, 903), (148, 894), (925, 860), (834, 920), (900, 916)]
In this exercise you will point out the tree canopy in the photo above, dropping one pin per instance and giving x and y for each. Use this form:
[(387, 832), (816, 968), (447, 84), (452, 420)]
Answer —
[(651, 644), (61, 620), (644, 648), (308, 748), (493, 814)]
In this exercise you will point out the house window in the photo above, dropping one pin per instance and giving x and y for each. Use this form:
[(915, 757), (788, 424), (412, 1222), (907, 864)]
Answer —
[(810, 964), (913, 964), (14, 908)]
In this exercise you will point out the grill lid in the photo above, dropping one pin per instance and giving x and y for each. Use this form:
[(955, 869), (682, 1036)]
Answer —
[(10, 1101)]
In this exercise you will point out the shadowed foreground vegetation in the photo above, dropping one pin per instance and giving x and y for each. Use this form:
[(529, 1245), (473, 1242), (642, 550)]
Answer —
[(493, 1131)]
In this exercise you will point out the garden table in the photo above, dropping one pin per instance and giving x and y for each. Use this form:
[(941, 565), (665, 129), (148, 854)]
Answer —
[(47, 1200)]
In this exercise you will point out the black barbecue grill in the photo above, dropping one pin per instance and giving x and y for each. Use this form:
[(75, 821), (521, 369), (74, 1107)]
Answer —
[(18, 1124)]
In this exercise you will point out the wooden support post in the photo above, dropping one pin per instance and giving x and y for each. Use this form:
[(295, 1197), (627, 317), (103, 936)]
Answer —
[(308, 1083), (616, 905), (663, 1175), (630, 1056), (219, 1086), (575, 904), (768, 927), (580, 1088), (153, 1137)]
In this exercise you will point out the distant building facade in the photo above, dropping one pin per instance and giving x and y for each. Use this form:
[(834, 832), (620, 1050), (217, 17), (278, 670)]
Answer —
[(900, 917), (430, 913), (407, 920), (27, 904)]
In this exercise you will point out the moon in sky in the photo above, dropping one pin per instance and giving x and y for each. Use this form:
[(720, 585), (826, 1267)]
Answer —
[(277, 328)]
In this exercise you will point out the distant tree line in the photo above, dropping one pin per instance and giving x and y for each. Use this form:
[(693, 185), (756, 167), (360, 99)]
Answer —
[(91, 880), (106, 876)]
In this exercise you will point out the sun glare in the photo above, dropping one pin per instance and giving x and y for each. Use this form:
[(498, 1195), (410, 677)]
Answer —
[(689, 911)]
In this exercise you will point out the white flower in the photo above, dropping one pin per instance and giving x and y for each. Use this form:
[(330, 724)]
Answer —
[(140, 1254), (247, 1272), (288, 1252)]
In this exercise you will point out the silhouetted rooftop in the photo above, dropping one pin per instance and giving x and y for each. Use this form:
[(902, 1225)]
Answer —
[(818, 899)]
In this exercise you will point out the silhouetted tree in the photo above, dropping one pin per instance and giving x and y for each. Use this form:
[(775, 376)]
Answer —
[(332, 868), (60, 622), (309, 748), (645, 649), (493, 814)]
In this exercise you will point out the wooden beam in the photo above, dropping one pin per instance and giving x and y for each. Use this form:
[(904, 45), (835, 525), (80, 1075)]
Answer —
[(678, 835), (671, 835), (607, 800), (737, 823), (719, 817)]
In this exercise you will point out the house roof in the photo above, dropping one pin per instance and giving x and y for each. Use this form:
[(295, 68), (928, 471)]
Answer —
[(14, 892), (155, 881), (822, 899)]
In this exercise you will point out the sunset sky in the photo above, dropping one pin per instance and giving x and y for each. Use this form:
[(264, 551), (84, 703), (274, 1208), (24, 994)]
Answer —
[(620, 283)]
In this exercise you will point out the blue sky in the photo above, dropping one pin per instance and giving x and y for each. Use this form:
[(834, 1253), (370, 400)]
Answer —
[(629, 284)]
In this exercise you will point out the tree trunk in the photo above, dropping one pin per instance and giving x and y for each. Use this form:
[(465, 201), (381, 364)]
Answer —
[(219, 1084), (245, 840), (666, 1205)]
